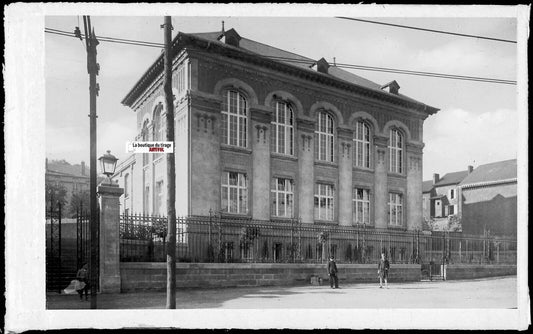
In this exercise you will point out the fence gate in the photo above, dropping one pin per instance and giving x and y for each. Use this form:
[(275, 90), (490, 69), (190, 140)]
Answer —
[(53, 254), (83, 240)]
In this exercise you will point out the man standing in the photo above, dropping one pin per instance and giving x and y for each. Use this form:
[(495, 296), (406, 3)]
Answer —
[(383, 271), (332, 272)]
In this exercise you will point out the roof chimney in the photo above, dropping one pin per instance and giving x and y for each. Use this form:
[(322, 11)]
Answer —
[(83, 168), (470, 169), (435, 178)]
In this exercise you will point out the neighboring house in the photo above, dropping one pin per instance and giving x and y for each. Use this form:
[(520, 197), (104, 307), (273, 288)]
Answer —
[(74, 178), (264, 133), (440, 194), (489, 199)]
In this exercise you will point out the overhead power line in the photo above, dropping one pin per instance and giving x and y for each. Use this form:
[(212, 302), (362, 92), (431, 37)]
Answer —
[(429, 30), (306, 61)]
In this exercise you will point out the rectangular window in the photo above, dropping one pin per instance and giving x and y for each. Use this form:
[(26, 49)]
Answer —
[(282, 197), (234, 193), (451, 210), (395, 209), (361, 206), (452, 193), (324, 202)]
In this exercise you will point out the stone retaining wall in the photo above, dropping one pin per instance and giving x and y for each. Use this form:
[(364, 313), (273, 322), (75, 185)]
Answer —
[(138, 276), (469, 271)]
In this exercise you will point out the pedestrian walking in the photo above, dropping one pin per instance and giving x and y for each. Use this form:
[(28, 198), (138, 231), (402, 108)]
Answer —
[(383, 271), (332, 273), (83, 276)]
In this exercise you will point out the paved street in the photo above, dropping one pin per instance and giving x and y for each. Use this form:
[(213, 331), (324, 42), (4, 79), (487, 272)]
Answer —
[(497, 292)]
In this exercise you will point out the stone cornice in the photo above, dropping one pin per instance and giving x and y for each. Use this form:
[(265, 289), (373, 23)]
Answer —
[(345, 133), (414, 147), (261, 113), (380, 141), (305, 124)]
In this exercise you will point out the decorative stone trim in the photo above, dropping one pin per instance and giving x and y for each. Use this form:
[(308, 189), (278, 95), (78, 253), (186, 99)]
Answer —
[(381, 155), (345, 149), (414, 147), (345, 133), (205, 122), (261, 114), (380, 140), (415, 163), (305, 124), (261, 133), (306, 142)]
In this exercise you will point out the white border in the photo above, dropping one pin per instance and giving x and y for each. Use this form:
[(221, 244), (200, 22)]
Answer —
[(25, 155)]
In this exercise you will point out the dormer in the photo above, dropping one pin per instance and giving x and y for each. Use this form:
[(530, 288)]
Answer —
[(322, 66), (231, 37), (392, 86)]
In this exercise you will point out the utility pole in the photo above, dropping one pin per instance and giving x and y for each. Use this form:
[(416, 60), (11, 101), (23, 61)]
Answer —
[(171, 169), (92, 68)]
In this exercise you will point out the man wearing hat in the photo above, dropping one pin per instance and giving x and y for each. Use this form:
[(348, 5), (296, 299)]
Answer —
[(332, 272)]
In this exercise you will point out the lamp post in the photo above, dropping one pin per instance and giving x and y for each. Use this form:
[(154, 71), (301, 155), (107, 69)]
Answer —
[(108, 163)]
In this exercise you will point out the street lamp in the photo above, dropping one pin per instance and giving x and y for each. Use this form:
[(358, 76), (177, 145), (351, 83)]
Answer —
[(108, 163)]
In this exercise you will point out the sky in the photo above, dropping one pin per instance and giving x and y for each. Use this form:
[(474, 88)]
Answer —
[(477, 122)]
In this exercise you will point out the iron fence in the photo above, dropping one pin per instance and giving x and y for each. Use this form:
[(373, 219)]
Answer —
[(222, 239)]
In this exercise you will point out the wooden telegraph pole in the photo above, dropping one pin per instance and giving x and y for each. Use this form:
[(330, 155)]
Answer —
[(171, 169), (93, 68)]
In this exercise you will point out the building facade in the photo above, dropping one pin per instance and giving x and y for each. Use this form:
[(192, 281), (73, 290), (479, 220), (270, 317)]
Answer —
[(489, 199), (440, 195), (266, 134)]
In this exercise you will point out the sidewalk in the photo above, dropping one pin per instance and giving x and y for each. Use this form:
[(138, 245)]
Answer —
[(499, 292)]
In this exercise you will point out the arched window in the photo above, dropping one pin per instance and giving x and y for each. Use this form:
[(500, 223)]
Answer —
[(395, 151), (324, 137), (144, 136), (158, 126), (234, 119), (362, 152), (283, 128), (158, 123)]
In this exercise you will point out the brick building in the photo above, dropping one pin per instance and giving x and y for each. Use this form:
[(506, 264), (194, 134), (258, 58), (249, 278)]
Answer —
[(266, 134)]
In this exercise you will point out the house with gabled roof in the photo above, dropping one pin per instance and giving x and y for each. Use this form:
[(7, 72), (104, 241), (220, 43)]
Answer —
[(267, 134), (440, 194), (489, 199)]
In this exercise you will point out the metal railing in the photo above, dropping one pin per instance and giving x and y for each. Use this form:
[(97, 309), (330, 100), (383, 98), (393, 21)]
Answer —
[(222, 239)]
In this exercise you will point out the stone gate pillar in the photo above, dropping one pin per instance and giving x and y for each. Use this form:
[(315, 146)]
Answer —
[(109, 194)]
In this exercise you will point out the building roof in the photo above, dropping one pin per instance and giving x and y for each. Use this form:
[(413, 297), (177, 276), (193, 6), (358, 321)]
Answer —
[(427, 186), (494, 172), (452, 178), (249, 48), (65, 168)]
